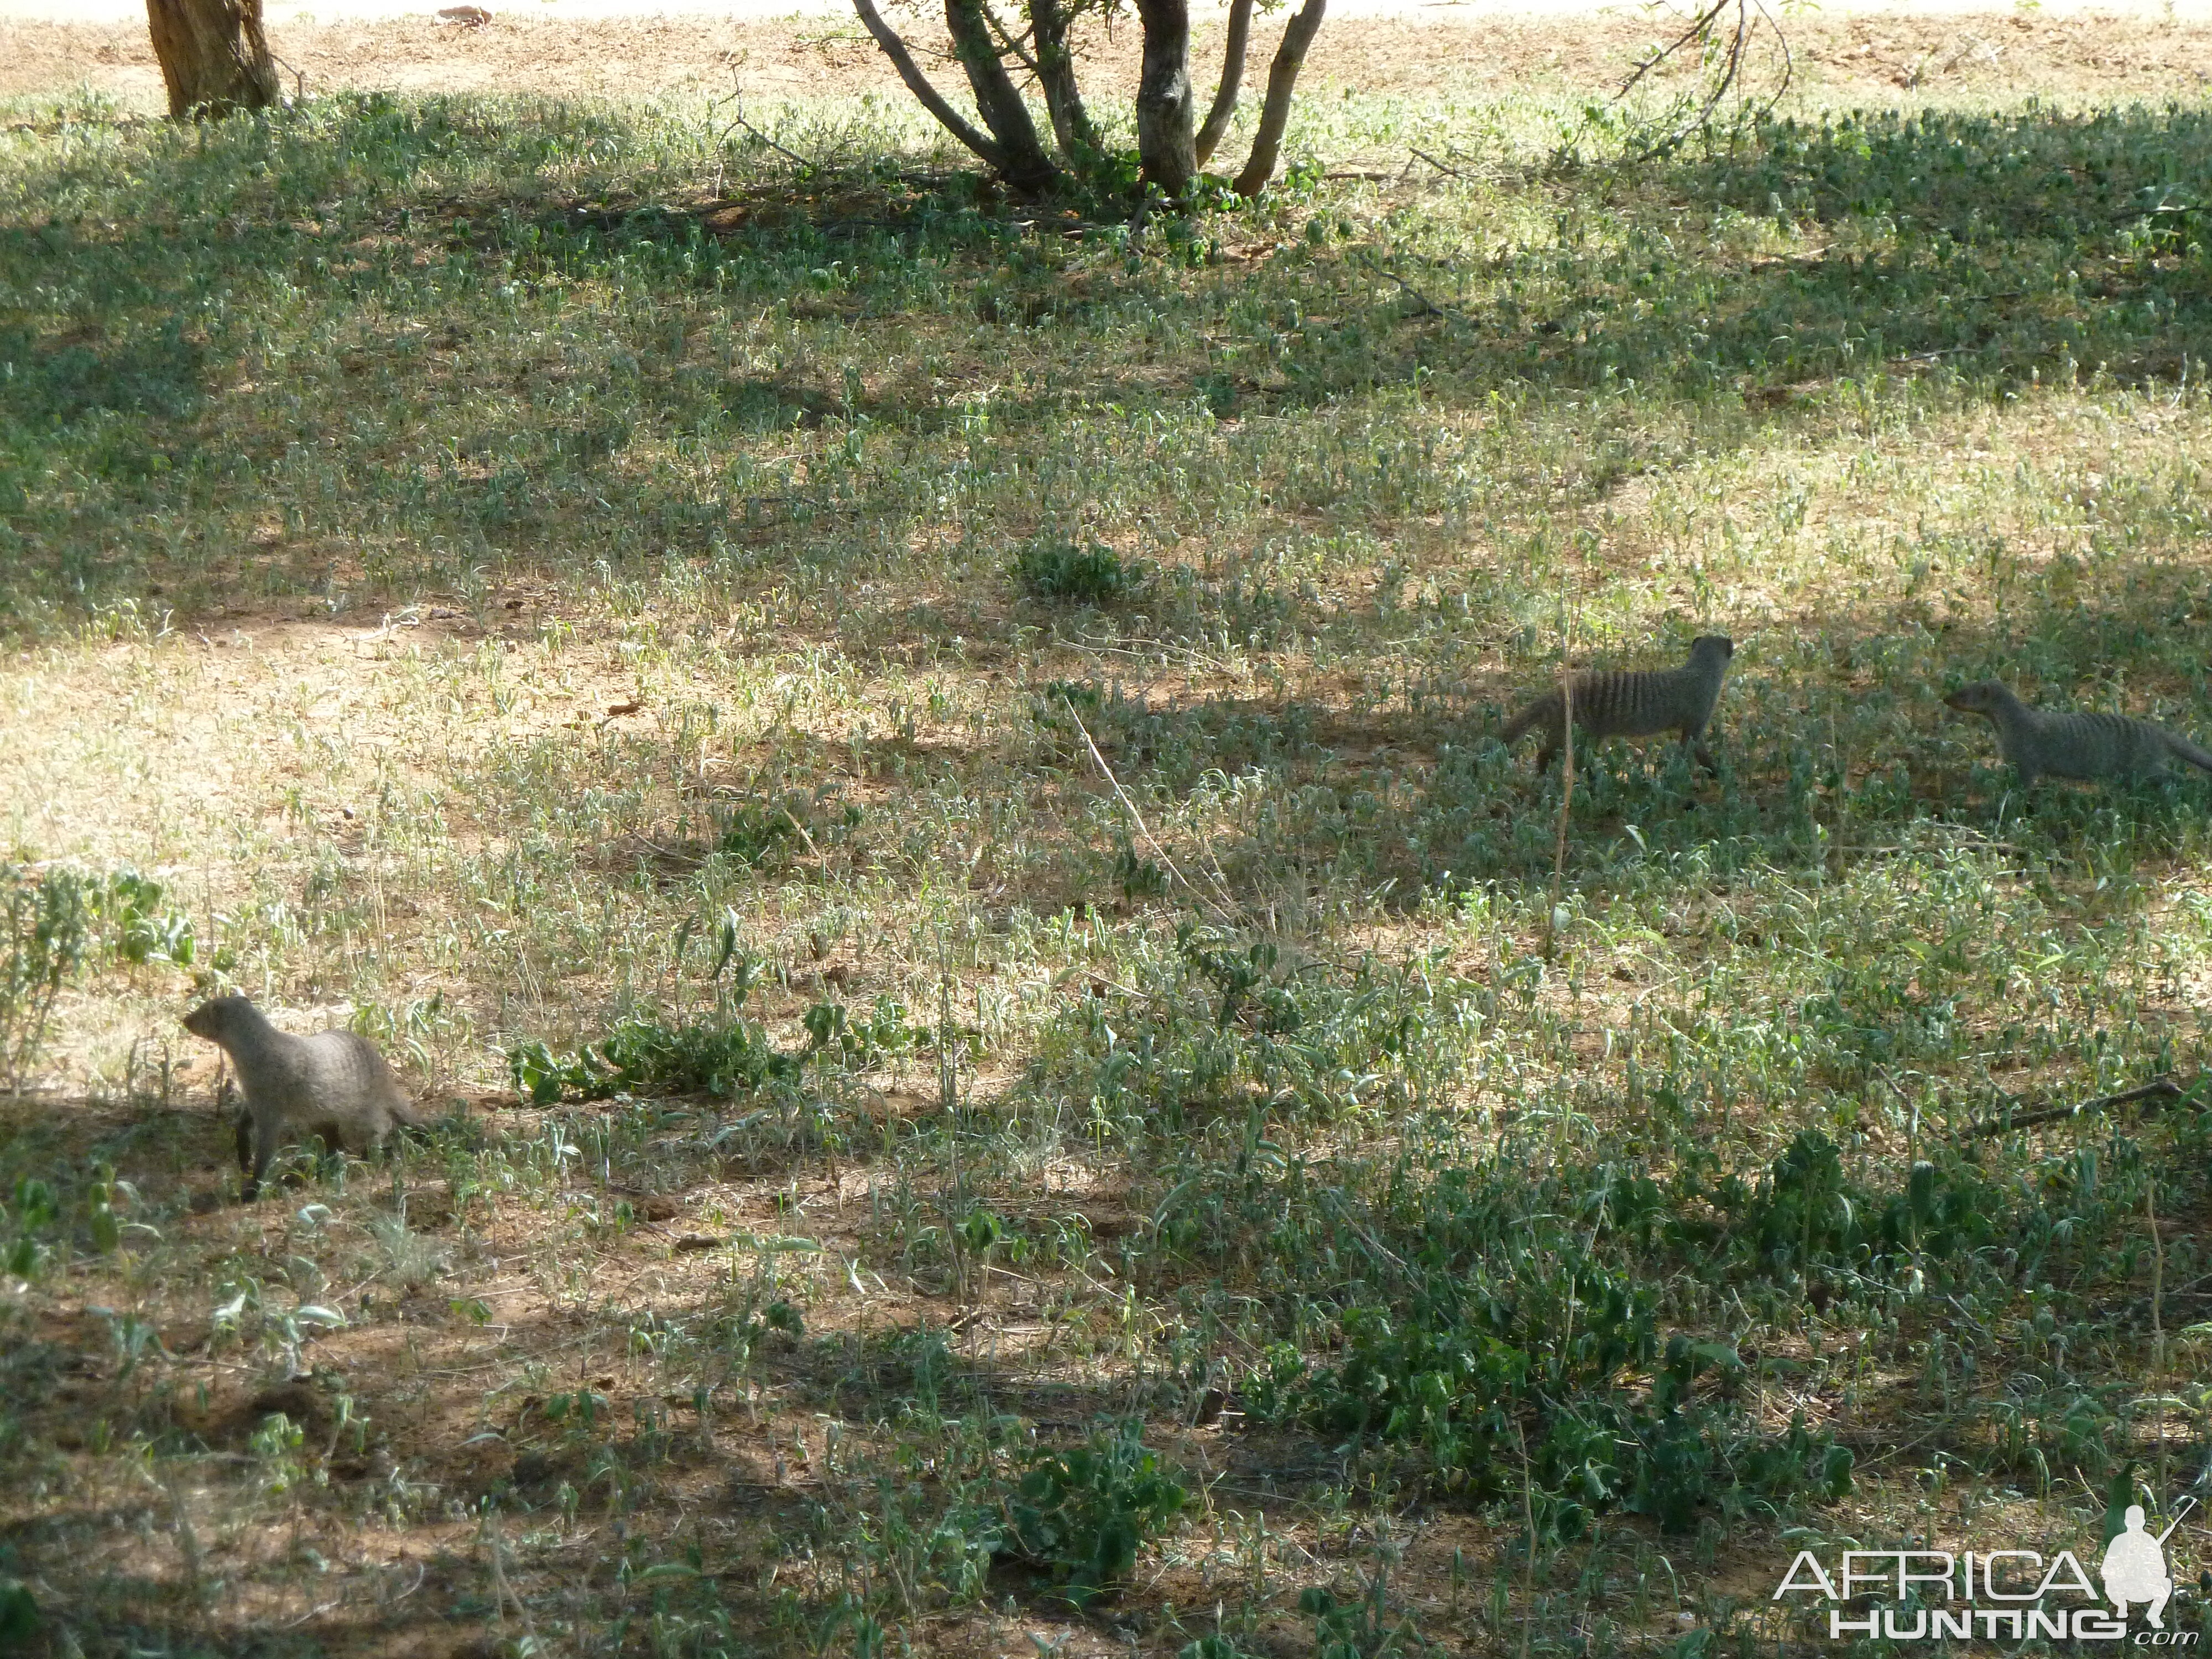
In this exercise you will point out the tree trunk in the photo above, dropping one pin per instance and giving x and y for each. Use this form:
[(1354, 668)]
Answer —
[(1055, 73), (1232, 78), (1167, 139), (1027, 167), (214, 56), (1282, 81)]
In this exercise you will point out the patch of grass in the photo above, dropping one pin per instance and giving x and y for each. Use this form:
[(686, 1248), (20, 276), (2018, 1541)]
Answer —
[(530, 583)]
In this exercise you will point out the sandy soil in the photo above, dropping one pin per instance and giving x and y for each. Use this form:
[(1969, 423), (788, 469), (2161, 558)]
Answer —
[(585, 47)]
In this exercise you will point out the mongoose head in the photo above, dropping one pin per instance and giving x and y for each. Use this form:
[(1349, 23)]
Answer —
[(218, 1016), (1711, 646), (1982, 697)]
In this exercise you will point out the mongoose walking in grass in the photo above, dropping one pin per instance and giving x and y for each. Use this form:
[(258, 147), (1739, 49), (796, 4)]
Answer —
[(333, 1085), (1635, 705), (2073, 745)]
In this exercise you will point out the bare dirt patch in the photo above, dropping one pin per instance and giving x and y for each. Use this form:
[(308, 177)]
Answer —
[(2107, 57)]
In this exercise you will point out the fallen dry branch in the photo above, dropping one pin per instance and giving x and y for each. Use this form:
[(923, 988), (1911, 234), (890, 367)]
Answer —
[(2164, 1090), (1428, 308)]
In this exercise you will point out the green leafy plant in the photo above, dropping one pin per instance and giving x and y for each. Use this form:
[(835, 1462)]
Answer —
[(1083, 1513), (1074, 573), (641, 1056), (32, 1209), (134, 926), (882, 1034), (1452, 1375), (19, 1616), (54, 922), (1358, 1629), (1214, 1645), (759, 834), (722, 1059), (46, 928)]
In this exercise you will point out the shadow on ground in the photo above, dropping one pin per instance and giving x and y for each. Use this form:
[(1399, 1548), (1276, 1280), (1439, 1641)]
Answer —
[(426, 333)]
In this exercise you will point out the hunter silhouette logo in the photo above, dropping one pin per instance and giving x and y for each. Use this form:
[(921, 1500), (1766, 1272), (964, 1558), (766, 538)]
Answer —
[(2135, 1565), (2004, 1593)]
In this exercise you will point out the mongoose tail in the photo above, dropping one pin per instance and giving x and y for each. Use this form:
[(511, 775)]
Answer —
[(333, 1087), (2184, 749), (1637, 704)]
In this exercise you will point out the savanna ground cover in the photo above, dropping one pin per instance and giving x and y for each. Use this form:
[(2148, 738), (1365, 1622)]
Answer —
[(916, 778)]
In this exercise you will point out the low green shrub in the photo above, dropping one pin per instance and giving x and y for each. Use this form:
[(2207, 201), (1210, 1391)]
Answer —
[(642, 1057), (722, 1059), (1056, 568), (1083, 1513), (57, 921)]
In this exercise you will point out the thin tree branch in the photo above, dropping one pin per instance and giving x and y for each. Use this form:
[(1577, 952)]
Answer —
[(737, 123), (2165, 1090), (1232, 79), (1010, 46), (1704, 21), (1229, 912), (1424, 155), (1026, 166), (1055, 72), (1749, 14), (918, 83), (1426, 304), (1282, 82)]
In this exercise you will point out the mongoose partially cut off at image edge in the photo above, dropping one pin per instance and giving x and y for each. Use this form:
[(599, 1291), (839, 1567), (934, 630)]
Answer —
[(1618, 704), (2067, 746), (333, 1085)]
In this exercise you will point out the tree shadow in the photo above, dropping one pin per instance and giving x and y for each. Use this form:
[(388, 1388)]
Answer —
[(1994, 248), (1821, 264)]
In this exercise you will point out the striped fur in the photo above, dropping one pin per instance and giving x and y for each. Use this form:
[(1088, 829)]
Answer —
[(1618, 704), (2083, 746)]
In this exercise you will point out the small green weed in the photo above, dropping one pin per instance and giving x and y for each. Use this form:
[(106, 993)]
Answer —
[(56, 921), (1075, 572), (722, 1059), (19, 1616), (1358, 1629), (642, 1056), (1083, 1513), (765, 835)]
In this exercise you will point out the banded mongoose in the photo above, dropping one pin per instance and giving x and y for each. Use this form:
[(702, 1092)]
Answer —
[(333, 1085), (2082, 746), (1637, 704)]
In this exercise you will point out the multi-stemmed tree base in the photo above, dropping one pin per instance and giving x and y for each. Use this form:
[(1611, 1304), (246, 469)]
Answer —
[(1171, 144)]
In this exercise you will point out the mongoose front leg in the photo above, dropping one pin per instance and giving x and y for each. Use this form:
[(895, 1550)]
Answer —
[(244, 1139), (265, 1149)]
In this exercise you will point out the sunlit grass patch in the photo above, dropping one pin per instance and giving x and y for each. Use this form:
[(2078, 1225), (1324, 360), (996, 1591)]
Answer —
[(916, 787)]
